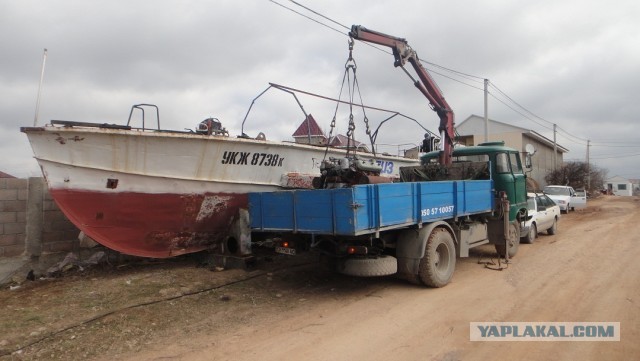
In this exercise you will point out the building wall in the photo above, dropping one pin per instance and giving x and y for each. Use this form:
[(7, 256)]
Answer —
[(619, 186), (315, 139), (542, 160), (57, 232)]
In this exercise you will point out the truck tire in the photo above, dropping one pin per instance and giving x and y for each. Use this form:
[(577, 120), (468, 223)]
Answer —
[(531, 236), (439, 261), (514, 242), (369, 267)]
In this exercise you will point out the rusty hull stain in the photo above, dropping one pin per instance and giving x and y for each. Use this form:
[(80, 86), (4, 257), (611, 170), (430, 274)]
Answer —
[(297, 180)]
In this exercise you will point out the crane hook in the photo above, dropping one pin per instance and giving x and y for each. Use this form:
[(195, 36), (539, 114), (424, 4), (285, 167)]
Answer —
[(351, 63)]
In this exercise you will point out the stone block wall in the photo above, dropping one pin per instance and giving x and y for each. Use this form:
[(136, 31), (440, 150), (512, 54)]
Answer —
[(53, 231), (13, 205)]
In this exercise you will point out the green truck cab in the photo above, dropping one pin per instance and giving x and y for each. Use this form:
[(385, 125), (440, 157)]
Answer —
[(506, 170)]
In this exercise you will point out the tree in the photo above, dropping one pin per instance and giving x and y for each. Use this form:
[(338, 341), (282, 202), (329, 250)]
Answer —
[(574, 174)]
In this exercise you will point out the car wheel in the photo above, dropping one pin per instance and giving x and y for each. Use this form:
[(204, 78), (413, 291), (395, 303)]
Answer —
[(531, 236), (553, 228)]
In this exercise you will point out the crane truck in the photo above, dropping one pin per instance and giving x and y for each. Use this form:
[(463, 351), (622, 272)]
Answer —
[(455, 200)]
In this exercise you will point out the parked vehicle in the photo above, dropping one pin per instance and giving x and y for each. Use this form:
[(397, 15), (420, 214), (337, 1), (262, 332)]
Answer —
[(543, 215), (580, 201), (455, 200), (565, 197)]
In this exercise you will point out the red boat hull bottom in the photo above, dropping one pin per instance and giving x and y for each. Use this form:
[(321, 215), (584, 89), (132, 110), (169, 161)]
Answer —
[(154, 225)]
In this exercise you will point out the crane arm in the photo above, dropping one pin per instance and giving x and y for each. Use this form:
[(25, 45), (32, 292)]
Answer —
[(403, 53)]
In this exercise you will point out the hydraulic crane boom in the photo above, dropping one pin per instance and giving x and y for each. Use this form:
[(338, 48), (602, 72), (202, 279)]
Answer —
[(427, 86)]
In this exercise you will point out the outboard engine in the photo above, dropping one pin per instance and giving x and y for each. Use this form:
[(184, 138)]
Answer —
[(211, 126), (347, 172)]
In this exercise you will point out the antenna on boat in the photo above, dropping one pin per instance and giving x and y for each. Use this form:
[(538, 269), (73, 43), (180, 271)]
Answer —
[(44, 59)]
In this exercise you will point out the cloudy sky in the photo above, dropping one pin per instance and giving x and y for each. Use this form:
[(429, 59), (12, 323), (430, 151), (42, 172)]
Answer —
[(575, 63)]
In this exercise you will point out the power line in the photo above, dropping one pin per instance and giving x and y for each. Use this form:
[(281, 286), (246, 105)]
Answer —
[(524, 112), (317, 13), (617, 156), (305, 16)]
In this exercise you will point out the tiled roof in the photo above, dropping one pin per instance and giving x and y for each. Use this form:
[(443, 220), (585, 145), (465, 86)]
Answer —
[(5, 175), (342, 141), (309, 123)]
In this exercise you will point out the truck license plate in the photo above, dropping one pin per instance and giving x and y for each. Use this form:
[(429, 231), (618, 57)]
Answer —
[(285, 250)]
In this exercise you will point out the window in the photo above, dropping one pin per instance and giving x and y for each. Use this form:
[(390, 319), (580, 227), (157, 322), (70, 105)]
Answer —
[(502, 163), (516, 166), (548, 201), (622, 187), (540, 203), (471, 158)]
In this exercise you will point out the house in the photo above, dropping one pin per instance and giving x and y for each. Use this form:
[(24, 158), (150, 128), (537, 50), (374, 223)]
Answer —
[(471, 132), (309, 132), (619, 186)]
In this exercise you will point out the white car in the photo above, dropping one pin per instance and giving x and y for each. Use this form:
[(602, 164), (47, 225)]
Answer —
[(566, 197), (543, 215)]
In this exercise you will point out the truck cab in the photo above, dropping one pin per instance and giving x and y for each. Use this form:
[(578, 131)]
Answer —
[(505, 168)]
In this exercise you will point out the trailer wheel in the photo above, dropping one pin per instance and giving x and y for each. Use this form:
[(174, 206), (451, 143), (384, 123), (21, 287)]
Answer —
[(514, 242), (439, 261), (369, 267)]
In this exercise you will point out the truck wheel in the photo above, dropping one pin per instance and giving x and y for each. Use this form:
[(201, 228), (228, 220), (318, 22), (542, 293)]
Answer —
[(369, 267), (551, 231), (439, 261), (514, 242), (531, 236)]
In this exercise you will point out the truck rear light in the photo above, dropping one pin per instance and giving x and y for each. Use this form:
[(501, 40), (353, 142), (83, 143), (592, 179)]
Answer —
[(357, 250)]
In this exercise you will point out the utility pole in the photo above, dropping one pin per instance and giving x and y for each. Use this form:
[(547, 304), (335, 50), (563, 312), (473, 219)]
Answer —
[(588, 167), (486, 110), (555, 149)]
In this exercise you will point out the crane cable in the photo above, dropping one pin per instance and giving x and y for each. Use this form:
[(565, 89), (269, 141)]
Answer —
[(353, 86)]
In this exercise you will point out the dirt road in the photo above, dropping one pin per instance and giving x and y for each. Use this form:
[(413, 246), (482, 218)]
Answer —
[(589, 271)]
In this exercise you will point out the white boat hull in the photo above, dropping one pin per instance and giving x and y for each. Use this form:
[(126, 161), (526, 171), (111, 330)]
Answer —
[(162, 194)]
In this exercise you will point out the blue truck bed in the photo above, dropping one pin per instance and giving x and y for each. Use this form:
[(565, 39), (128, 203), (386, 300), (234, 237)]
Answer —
[(370, 208)]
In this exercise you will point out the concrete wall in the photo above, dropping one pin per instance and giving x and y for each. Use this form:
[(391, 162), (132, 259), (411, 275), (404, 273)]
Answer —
[(30, 221)]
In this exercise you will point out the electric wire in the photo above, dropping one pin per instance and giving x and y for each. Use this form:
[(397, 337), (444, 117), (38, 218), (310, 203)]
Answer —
[(524, 112), (305, 16)]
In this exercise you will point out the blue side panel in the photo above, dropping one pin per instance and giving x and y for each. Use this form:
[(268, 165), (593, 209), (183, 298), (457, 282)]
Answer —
[(368, 208), (314, 210), (273, 210)]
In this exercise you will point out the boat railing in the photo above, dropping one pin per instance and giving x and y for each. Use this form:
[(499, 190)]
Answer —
[(142, 107), (70, 123)]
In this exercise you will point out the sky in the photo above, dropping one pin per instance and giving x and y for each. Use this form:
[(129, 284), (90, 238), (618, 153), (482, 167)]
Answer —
[(573, 63)]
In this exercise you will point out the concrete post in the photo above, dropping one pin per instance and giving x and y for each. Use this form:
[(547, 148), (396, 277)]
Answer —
[(34, 217)]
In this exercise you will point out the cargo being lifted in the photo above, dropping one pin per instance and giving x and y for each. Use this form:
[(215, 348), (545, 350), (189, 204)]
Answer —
[(455, 200)]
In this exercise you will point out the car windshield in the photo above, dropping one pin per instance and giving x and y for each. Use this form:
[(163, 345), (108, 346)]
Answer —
[(557, 191), (531, 203)]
